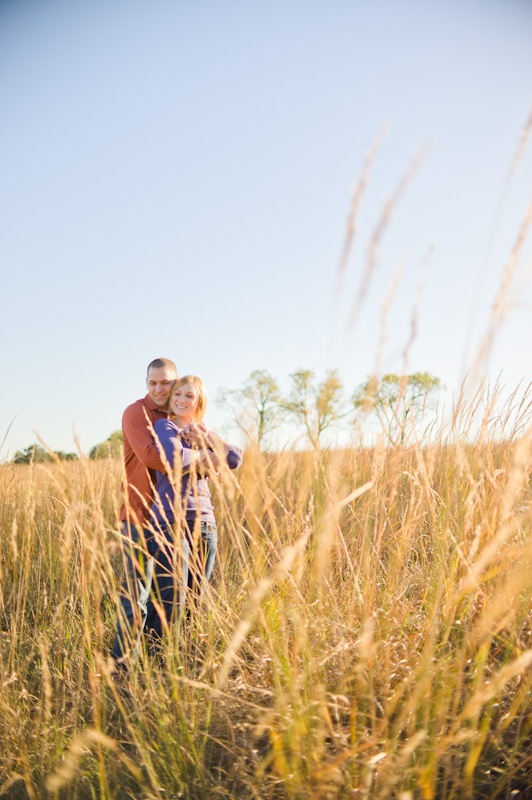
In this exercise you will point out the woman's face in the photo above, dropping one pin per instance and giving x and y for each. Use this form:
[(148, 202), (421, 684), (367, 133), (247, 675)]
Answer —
[(184, 404)]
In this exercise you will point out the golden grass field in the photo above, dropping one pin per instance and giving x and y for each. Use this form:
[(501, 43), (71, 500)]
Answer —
[(367, 633)]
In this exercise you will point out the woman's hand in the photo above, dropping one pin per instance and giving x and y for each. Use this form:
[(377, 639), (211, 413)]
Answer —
[(196, 433)]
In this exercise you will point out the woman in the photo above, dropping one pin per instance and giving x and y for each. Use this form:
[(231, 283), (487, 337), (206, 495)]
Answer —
[(184, 525)]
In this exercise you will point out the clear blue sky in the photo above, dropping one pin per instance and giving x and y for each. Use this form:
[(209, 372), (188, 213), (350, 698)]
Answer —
[(176, 179)]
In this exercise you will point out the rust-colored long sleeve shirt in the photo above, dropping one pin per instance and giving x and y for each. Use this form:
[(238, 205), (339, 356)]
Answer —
[(141, 458)]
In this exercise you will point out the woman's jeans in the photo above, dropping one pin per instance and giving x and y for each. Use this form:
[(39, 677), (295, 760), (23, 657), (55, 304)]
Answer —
[(160, 567)]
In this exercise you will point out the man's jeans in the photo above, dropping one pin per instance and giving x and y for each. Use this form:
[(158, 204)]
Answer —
[(158, 571)]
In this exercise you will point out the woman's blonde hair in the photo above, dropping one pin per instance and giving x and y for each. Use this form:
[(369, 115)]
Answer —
[(203, 397)]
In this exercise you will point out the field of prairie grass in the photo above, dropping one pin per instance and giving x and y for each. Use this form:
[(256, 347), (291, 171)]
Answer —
[(367, 633)]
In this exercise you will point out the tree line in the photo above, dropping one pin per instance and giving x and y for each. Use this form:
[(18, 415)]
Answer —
[(396, 405), (36, 454)]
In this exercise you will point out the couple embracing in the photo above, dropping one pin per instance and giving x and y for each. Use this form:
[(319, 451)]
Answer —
[(168, 527)]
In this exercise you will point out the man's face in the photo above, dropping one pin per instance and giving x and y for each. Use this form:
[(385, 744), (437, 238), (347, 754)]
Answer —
[(159, 382)]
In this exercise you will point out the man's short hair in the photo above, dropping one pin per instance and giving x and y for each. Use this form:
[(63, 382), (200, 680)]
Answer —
[(157, 363)]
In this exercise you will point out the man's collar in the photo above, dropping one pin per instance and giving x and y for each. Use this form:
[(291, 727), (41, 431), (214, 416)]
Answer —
[(148, 402)]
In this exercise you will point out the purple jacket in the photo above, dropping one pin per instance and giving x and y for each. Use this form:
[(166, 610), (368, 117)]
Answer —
[(195, 492)]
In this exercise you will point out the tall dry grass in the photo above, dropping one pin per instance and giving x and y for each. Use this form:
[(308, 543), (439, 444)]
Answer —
[(367, 633)]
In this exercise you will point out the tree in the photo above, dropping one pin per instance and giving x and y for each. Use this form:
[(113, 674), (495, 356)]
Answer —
[(255, 406), (36, 454), (314, 405), (111, 448), (399, 402), (62, 456)]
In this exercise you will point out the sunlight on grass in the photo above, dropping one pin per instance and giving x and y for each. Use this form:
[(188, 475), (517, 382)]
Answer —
[(367, 633)]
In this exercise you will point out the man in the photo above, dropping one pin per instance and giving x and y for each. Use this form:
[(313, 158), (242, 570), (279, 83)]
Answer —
[(141, 460), (140, 452)]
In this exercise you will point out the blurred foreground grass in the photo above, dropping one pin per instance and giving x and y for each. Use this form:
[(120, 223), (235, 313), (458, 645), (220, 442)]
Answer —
[(367, 633)]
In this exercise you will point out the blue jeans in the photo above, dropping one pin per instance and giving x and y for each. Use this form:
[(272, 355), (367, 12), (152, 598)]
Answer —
[(178, 571), (157, 576)]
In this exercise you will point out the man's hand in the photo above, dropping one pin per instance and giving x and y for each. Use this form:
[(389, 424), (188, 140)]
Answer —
[(210, 462)]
